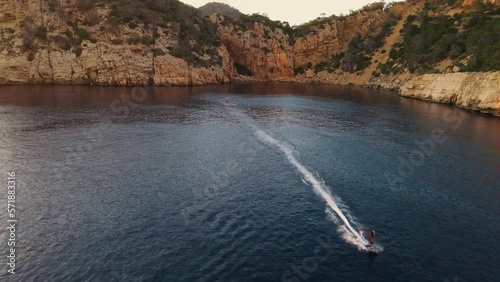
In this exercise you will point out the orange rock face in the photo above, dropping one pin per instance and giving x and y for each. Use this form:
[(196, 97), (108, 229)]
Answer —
[(265, 52), (335, 36)]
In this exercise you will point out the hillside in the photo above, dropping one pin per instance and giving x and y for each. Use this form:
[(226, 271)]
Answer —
[(219, 9), (165, 42)]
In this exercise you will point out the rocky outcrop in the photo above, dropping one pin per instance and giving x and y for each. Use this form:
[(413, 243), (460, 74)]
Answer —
[(266, 52), (97, 61), (169, 70), (471, 2), (105, 64), (476, 91), (334, 37)]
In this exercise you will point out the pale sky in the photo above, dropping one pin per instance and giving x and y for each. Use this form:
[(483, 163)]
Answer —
[(292, 11)]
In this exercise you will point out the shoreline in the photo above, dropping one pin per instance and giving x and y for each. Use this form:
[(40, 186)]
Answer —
[(428, 95)]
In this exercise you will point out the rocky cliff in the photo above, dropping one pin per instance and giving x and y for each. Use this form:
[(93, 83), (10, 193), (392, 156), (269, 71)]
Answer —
[(334, 36), (475, 91), (165, 42), (264, 51), (38, 46), (106, 64)]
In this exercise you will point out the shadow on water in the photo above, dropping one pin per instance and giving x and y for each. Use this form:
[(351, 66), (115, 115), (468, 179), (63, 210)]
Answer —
[(78, 95), (371, 103)]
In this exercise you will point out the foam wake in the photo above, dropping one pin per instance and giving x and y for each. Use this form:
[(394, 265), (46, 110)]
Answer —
[(348, 233)]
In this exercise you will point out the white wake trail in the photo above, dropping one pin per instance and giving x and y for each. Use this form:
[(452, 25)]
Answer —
[(349, 234)]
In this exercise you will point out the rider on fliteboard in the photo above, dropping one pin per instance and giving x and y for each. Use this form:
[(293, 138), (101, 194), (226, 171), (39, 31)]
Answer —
[(372, 239)]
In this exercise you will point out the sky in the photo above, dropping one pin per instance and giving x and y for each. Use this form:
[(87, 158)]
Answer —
[(293, 11)]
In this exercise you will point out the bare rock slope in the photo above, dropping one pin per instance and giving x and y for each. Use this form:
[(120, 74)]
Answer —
[(475, 91)]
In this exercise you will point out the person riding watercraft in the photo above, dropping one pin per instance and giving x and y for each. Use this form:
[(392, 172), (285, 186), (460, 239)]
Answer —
[(372, 237)]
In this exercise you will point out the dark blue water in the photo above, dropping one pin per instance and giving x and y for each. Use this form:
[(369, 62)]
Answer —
[(173, 184)]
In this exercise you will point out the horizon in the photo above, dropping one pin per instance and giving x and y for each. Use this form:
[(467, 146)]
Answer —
[(296, 13)]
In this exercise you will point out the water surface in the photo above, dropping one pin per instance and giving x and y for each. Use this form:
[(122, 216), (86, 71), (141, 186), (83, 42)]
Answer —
[(174, 184)]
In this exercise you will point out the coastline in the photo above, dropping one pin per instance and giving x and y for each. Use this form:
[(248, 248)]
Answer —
[(469, 91)]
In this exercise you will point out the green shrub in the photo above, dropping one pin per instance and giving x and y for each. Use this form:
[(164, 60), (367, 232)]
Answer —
[(433, 39), (158, 52), (337, 60), (113, 20), (31, 56), (183, 50), (68, 33), (373, 7), (53, 5), (383, 68), (84, 5), (62, 42), (92, 18), (116, 41), (134, 40), (78, 51), (132, 25), (358, 55), (82, 34), (147, 39), (482, 43), (152, 13), (326, 65), (41, 32), (212, 52), (66, 46), (302, 31), (29, 44), (266, 50), (299, 70)]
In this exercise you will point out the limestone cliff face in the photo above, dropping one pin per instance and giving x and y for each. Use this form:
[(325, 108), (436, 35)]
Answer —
[(98, 62), (476, 91), (169, 70), (264, 51), (267, 52), (334, 37), (105, 64), (471, 2), (68, 45)]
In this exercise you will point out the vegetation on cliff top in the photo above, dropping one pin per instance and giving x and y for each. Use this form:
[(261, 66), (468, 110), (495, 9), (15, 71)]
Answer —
[(470, 40), (196, 36), (244, 21), (429, 37), (219, 9), (359, 53)]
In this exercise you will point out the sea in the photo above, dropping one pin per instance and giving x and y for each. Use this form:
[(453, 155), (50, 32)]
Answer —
[(245, 182)]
